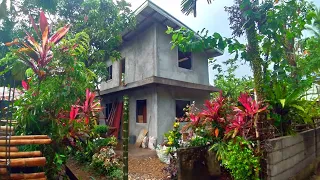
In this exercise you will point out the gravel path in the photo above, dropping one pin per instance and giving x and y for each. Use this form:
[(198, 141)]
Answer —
[(145, 168)]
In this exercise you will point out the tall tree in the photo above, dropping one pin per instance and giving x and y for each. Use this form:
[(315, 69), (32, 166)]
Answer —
[(103, 20), (242, 20)]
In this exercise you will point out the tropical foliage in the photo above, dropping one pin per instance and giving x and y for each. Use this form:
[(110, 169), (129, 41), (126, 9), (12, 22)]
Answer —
[(284, 64), (102, 20), (57, 95), (287, 66), (229, 127)]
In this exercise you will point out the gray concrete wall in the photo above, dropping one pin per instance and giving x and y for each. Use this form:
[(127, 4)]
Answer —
[(167, 62), (139, 56), (167, 106), (149, 54), (293, 156), (161, 107), (138, 94)]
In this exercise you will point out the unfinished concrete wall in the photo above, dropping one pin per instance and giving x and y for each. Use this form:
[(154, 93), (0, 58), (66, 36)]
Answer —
[(293, 156), (167, 106), (148, 93), (139, 55), (167, 62)]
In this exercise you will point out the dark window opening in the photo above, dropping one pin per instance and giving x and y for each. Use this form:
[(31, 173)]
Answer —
[(184, 59), (122, 71), (109, 70), (141, 111), (180, 105), (108, 109), (123, 66)]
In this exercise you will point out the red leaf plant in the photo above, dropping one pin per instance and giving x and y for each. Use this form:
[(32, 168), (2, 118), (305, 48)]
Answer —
[(38, 55), (213, 109), (243, 117), (211, 116), (90, 107), (73, 113), (79, 117), (25, 85)]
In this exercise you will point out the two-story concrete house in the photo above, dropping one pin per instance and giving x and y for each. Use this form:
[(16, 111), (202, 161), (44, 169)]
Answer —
[(160, 82)]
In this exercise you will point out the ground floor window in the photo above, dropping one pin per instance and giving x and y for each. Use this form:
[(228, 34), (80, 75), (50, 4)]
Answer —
[(108, 109), (180, 105), (141, 111)]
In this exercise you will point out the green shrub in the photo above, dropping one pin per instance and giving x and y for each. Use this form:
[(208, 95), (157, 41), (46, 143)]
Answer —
[(109, 141), (106, 162), (100, 129), (238, 156)]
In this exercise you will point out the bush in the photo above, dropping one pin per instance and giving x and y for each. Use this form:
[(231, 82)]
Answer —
[(109, 141), (100, 129), (238, 156), (108, 163)]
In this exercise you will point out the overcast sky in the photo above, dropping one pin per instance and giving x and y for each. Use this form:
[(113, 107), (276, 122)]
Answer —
[(212, 17)]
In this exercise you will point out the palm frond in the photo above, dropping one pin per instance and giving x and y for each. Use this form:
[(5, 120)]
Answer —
[(315, 28), (190, 7)]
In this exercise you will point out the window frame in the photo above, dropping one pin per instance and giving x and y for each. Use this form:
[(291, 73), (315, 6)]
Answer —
[(145, 120), (190, 58), (187, 100), (110, 72)]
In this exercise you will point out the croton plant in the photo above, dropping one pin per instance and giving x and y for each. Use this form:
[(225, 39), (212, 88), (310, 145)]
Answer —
[(221, 119), (38, 55)]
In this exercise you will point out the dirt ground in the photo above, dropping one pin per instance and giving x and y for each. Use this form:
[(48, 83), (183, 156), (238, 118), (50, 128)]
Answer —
[(143, 165), (143, 168)]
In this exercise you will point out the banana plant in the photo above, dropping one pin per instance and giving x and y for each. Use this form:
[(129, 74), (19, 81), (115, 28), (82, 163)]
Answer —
[(38, 55)]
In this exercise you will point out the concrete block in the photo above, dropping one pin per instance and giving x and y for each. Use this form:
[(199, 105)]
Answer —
[(298, 154), (291, 140), (305, 162), (308, 133), (318, 147), (274, 144), (309, 151), (296, 159), (310, 141), (274, 157), (282, 166), (292, 150), (284, 175)]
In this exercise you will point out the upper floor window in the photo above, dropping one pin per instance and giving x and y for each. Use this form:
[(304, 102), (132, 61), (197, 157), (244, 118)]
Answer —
[(184, 59), (122, 71), (123, 66), (109, 71)]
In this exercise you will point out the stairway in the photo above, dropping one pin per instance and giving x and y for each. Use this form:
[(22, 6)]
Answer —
[(12, 159)]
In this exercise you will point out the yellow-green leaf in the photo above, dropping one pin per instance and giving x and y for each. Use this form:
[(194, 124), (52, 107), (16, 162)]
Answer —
[(282, 101)]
